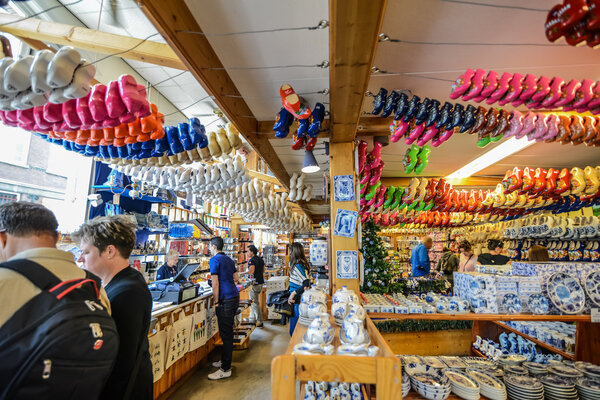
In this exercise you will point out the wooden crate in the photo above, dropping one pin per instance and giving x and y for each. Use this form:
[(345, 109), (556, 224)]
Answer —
[(384, 371)]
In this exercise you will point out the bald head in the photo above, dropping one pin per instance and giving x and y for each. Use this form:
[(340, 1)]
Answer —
[(428, 242)]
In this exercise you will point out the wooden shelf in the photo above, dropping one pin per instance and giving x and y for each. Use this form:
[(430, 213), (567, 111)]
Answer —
[(477, 352), (484, 317), (536, 341)]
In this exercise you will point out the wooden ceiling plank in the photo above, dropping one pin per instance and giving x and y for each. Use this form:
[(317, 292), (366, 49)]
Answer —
[(353, 36), (92, 40), (174, 20)]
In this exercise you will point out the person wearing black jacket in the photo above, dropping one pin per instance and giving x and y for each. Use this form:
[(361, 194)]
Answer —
[(495, 256), (106, 243), (256, 266)]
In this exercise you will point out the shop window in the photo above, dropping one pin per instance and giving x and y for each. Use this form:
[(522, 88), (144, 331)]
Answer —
[(15, 146), (7, 197)]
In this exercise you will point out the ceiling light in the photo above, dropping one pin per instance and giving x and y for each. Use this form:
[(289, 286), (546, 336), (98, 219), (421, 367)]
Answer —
[(310, 163), (509, 147)]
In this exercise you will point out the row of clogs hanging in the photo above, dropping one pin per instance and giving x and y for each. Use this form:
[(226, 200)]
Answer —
[(296, 108), (35, 80), (529, 90), (577, 21)]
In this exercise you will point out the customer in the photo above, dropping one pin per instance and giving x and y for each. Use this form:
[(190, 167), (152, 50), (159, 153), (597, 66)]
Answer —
[(468, 260), (419, 257), (106, 243), (299, 272), (256, 266), (224, 276), (495, 256), (448, 264), (538, 253), (28, 237), (169, 268)]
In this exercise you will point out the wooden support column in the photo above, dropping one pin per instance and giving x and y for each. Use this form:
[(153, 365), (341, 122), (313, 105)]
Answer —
[(341, 162)]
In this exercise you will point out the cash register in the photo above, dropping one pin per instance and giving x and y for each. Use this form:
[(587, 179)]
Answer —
[(177, 289)]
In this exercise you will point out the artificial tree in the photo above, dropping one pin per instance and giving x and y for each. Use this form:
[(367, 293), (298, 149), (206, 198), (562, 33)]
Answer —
[(378, 277)]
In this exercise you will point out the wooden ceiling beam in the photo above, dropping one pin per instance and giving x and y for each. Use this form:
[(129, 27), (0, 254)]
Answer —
[(353, 36), (174, 20), (91, 40)]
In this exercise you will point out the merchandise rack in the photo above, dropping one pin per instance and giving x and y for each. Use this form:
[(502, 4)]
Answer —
[(384, 371), (488, 326)]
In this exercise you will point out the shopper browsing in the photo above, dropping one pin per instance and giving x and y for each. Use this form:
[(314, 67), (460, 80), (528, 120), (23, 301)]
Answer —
[(256, 266), (448, 264), (31, 294), (495, 256), (419, 257), (224, 276), (169, 268), (106, 243), (468, 260), (298, 280)]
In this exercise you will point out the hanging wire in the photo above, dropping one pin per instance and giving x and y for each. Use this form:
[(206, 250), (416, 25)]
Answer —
[(321, 25), (385, 38), (323, 92), (186, 107), (474, 3), (142, 41), (40, 12), (379, 72)]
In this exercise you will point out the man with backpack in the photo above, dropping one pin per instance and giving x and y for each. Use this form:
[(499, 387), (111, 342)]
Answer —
[(448, 264), (57, 339)]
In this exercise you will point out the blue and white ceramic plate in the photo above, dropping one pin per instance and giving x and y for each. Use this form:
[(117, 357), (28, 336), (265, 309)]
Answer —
[(592, 287), (564, 371), (511, 303), (538, 304), (566, 293), (589, 369)]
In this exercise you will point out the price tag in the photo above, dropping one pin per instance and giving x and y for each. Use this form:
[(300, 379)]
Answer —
[(116, 199), (596, 315)]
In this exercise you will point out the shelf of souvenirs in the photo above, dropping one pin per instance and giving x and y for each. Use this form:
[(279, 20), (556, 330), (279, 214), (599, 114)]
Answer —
[(585, 250), (470, 316)]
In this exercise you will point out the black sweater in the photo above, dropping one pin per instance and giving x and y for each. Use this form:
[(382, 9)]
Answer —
[(131, 305)]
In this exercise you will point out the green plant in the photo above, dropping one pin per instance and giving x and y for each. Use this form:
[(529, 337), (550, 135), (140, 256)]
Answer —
[(420, 325)]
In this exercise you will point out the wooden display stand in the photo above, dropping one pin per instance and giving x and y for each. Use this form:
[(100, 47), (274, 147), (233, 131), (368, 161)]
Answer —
[(384, 371), (489, 326)]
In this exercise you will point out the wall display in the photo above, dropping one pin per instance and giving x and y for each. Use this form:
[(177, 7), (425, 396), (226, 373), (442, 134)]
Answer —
[(343, 186), (345, 223), (347, 264)]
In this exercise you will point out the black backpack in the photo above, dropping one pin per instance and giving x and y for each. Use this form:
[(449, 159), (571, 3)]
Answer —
[(61, 344)]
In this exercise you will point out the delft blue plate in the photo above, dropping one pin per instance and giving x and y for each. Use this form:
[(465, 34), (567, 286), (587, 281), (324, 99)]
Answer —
[(511, 303), (538, 303), (566, 293), (592, 287)]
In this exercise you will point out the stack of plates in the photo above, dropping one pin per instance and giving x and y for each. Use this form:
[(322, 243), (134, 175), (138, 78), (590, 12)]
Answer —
[(462, 384), (489, 386), (589, 370), (589, 389), (511, 359), (516, 370), (435, 362), (535, 368), (428, 381), (565, 371), (405, 385), (521, 387), (558, 388), (454, 362), (479, 363)]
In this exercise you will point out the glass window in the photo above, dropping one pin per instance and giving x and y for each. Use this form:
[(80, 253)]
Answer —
[(15, 146)]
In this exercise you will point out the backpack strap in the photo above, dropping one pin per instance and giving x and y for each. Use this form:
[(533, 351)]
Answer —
[(37, 274)]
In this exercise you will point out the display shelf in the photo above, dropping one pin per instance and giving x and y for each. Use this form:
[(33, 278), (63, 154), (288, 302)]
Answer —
[(148, 255), (477, 353), (125, 192), (536, 341), (484, 317), (385, 371)]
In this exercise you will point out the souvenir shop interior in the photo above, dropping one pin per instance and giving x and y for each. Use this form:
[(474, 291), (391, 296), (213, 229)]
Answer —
[(438, 161)]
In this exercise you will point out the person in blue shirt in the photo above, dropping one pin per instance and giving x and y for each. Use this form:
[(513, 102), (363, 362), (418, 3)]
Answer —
[(169, 268), (224, 277), (419, 258)]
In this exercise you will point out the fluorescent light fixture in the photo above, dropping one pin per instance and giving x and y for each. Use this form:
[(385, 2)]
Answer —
[(503, 150), (310, 164)]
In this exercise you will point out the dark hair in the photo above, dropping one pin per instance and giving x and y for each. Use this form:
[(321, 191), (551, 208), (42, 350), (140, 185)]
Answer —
[(253, 249), (217, 241), (445, 249), (297, 255), (116, 230), (538, 253), (466, 245), (492, 244), (26, 219)]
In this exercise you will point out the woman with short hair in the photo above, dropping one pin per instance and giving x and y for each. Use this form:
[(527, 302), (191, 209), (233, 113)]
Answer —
[(169, 268)]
